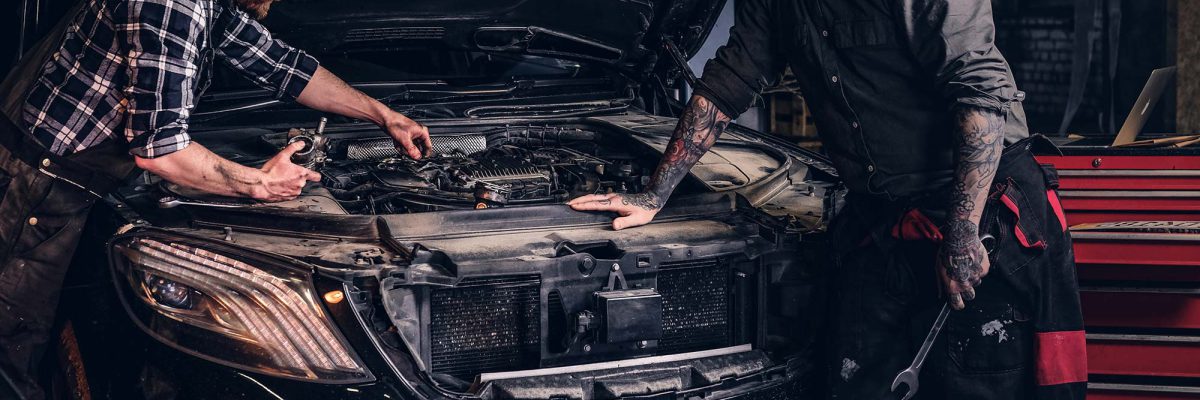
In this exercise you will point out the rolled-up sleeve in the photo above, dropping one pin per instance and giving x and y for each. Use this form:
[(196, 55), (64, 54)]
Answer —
[(746, 64), (162, 37), (954, 41), (247, 47)]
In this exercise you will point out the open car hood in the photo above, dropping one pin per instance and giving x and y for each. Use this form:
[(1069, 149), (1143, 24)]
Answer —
[(627, 34)]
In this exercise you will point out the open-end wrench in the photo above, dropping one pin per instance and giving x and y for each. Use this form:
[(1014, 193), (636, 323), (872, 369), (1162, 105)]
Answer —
[(910, 376)]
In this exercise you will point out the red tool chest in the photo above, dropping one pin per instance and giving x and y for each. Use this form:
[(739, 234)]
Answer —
[(1135, 221)]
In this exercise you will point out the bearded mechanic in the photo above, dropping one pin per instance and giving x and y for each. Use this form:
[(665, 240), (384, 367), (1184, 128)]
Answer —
[(115, 85), (920, 115)]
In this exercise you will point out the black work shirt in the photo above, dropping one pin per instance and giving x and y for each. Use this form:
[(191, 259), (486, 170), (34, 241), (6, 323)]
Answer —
[(881, 77)]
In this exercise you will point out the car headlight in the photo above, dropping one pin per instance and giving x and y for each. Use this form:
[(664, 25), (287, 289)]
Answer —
[(250, 312)]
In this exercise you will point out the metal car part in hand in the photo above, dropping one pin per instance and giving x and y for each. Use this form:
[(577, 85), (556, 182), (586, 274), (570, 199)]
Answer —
[(911, 376)]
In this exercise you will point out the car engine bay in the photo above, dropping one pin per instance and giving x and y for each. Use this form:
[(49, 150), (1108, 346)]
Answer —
[(498, 167)]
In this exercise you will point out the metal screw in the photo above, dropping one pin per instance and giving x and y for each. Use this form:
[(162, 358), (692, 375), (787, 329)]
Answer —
[(587, 348), (1096, 163), (616, 267)]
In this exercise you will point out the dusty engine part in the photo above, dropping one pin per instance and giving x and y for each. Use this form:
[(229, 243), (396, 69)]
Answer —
[(315, 145), (518, 166)]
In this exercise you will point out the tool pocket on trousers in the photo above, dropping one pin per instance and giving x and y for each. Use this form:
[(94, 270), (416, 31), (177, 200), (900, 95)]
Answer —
[(989, 338), (1016, 227), (59, 210)]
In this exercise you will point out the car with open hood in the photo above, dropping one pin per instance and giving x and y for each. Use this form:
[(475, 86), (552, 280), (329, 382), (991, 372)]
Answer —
[(462, 275)]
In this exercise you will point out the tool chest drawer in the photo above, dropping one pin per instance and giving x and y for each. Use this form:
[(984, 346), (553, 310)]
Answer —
[(1135, 227), (1106, 188)]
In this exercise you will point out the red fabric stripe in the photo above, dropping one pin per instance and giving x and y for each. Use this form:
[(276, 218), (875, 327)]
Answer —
[(1061, 358), (1052, 196), (1008, 202)]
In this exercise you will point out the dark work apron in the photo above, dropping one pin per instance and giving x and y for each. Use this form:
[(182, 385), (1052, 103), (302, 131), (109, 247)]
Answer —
[(44, 203)]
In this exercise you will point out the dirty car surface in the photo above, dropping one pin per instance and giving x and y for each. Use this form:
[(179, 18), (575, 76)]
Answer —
[(463, 275)]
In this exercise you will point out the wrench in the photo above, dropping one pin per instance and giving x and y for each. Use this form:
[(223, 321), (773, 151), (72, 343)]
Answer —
[(909, 376)]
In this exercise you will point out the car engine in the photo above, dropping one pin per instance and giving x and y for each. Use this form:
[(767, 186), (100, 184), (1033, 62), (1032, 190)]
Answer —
[(496, 167)]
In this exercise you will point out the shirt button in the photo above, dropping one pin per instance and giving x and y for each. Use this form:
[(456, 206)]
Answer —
[(32, 220), (854, 124), (834, 79), (870, 167), (825, 33)]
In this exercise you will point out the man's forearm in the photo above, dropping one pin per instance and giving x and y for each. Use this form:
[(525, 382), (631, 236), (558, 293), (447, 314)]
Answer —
[(326, 92), (698, 129), (981, 141), (198, 168)]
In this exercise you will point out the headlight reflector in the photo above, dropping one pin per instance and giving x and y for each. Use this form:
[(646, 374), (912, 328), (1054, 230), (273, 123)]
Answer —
[(260, 317)]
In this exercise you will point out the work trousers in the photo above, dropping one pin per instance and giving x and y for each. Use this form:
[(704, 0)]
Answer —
[(1020, 338), (41, 219)]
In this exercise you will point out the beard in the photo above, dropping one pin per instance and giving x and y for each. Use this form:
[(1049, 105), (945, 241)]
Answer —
[(256, 8)]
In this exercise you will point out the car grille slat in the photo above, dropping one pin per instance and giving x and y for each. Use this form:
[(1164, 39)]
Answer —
[(485, 325), (696, 305)]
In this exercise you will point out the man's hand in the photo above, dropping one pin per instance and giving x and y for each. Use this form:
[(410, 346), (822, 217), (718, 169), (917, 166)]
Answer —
[(282, 180), (962, 262), (327, 92), (635, 209), (411, 137), (198, 168), (697, 131)]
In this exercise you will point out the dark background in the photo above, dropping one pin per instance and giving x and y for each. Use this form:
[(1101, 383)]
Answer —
[(1129, 38)]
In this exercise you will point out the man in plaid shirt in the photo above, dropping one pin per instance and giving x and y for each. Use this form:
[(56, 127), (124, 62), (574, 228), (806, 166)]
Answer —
[(117, 91)]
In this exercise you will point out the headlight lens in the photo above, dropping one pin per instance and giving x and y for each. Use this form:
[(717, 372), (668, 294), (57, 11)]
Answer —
[(251, 314)]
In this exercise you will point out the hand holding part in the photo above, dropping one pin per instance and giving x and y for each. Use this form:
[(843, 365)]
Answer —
[(634, 209), (281, 179), (412, 138)]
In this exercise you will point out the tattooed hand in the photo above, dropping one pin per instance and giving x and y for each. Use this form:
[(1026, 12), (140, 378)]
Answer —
[(962, 262), (634, 209), (962, 259), (697, 131)]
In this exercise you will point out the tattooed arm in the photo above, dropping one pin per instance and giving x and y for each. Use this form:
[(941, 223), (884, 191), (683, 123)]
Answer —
[(697, 131), (962, 256)]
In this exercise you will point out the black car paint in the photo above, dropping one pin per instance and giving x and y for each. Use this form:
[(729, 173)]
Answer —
[(121, 361), (260, 229)]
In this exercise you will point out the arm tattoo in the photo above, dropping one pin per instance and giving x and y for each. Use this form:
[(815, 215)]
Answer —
[(698, 129), (979, 148)]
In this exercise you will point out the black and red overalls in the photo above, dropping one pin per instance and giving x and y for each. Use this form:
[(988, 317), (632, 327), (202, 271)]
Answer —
[(883, 79)]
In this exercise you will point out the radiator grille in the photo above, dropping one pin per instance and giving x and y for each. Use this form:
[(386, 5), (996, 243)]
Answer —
[(696, 305), (485, 325)]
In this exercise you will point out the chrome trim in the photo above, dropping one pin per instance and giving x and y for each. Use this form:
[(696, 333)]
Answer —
[(494, 376), (1143, 338), (1142, 388)]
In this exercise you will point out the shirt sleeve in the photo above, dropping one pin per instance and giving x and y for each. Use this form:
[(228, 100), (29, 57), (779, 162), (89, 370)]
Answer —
[(247, 47), (162, 38), (746, 64), (954, 42)]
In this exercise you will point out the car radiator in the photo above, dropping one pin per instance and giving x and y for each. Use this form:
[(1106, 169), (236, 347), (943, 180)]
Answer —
[(485, 325), (696, 306), (492, 324)]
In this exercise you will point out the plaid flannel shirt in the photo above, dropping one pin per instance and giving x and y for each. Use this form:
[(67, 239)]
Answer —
[(134, 67)]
